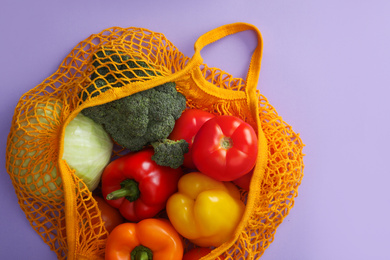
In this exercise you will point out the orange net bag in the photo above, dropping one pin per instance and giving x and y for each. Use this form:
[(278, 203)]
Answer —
[(58, 204)]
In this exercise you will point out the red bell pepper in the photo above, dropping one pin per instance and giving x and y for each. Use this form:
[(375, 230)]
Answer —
[(137, 186)]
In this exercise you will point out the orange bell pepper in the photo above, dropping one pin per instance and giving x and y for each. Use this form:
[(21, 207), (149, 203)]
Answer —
[(149, 239)]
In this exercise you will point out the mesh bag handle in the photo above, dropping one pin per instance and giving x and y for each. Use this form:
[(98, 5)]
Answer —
[(229, 29)]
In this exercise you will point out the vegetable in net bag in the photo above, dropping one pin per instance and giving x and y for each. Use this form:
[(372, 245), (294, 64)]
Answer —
[(58, 203)]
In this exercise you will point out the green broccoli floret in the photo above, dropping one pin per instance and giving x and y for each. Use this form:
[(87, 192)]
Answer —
[(170, 153), (144, 117), (140, 119)]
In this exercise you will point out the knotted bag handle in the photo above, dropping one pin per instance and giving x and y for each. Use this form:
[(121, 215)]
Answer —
[(229, 29)]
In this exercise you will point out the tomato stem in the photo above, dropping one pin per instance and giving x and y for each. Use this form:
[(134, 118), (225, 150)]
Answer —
[(129, 190), (226, 142)]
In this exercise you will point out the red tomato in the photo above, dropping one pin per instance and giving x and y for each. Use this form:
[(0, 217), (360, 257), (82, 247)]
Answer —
[(225, 148), (244, 181), (186, 128), (199, 252), (110, 216)]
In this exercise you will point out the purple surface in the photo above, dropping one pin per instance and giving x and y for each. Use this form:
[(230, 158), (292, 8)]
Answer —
[(325, 69)]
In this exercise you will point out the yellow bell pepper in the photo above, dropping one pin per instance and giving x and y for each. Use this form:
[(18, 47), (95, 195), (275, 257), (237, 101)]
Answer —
[(204, 210)]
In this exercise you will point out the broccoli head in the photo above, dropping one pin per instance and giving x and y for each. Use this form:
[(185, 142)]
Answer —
[(137, 120), (170, 153)]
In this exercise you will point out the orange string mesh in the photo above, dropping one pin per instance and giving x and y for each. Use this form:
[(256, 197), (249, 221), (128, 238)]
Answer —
[(57, 203)]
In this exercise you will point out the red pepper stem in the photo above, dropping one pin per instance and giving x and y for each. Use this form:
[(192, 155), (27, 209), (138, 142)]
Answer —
[(129, 190)]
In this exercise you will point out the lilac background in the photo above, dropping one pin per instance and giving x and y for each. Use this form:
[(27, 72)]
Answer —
[(325, 68)]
